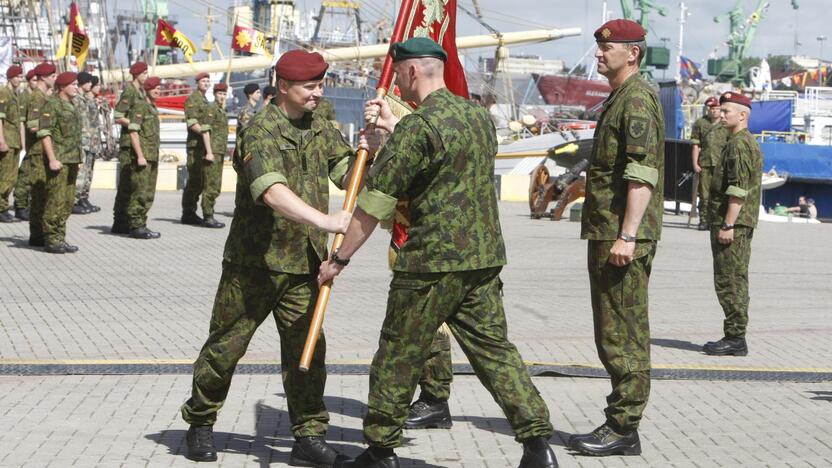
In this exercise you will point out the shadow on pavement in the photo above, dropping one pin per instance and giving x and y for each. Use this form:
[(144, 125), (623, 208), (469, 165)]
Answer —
[(103, 230), (19, 243), (677, 344), (821, 395), (500, 425)]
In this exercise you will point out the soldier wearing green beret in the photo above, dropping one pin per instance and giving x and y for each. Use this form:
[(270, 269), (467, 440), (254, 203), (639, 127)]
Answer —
[(622, 220), (132, 96), (11, 130), (143, 168), (442, 156), (735, 208), (35, 121), (708, 136)]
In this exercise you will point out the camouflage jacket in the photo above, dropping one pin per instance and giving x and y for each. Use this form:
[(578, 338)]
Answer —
[(60, 121), (10, 115), (90, 123), (300, 154), (34, 107), (711, 138), (441, 158), (245, 115), (326, 110), (739, 176), (218, 121), (196, 112), (144, 119), (129, 97), (628, 146)]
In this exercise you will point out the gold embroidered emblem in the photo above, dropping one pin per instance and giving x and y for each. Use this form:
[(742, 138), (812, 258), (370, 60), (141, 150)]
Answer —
[(606, 33)]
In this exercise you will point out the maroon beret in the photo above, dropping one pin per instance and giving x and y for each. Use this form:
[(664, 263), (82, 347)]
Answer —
[(220, 87), (45, 69), (13, 71), (712, 101), (620, 30), (151, 82), (30, 74), (202, 75), (300, 65), (65, 78), (736, 98), (138, 68)]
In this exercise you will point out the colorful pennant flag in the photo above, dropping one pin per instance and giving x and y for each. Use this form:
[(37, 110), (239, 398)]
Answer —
[(168, 36), (689, 70), (80, 41), (249, 40)]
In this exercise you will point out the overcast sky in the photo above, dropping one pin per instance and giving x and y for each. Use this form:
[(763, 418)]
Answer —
[(775, 34)]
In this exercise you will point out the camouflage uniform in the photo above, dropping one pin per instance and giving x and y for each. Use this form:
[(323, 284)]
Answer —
[(144, 120), (628, 146), (270, 266), (23, 185), (711, 138), (442, 158), (212, 171), (90, 140), (60, 121), (130, 97), (196, 111), (244, 117), (10, 115), (326, 110), (38, 101), (738, 176)]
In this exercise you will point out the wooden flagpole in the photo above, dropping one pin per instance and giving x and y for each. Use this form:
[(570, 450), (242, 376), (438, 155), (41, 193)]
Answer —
[(384, 83)]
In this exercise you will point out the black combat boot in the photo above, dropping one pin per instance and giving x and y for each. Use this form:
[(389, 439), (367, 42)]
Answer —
[(21, 214), (210, 222), (89, 206), (120, 228), (80, 209), (426, 414), (6, 217), (153, 234), (201, 444), (55, 249), (605, 441), (141, 233), (538, 454), (373, 457), (191, 218), (314, 451), (68, 248), (37, 242), (728, 346)]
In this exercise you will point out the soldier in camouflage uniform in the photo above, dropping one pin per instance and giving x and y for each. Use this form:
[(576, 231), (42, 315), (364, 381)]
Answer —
[(442, 156), (91, 141), (59, 130), (622, 220), (38, 100), (11, 130), (144, 160), (735, 207), (199, 114), (708, 137), (132, 95), (276, 241), (249, 110), (212, 170), (23, 185)]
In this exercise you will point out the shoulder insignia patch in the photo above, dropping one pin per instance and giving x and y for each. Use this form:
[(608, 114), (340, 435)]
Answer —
[(637, 128)]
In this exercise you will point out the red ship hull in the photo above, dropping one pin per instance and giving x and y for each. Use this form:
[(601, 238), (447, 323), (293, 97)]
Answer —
[(572, 90)]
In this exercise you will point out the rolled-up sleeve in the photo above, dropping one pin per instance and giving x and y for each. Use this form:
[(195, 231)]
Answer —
[(262, 164), (340, 158), (638, 173), (377, 204), (739, 172), (641, 142)]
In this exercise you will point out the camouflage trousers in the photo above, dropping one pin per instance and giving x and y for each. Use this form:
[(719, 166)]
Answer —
[(622, 329), (141, 193), (23, 185), (731, 278), (37, 195), (704, 190), (205, 179), (438, 372), (8, 176), (126, 157), (84, 182), (245, 297), (56, 199), (470, 303)]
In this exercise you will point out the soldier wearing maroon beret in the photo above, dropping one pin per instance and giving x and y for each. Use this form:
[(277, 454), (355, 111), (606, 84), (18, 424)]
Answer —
[(11, 137), (23, 185), (708, 136), (37, 120), (133, 94), (734, 210), (285, 158), (622, 220)]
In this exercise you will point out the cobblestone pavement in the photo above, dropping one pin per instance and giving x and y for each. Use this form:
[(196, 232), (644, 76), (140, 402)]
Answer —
[(122, 300)]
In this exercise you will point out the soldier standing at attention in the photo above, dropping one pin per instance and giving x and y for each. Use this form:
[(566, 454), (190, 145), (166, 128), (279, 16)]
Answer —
[(144, 160), (212, 170), (60, 132), (91, 141), (249, 110), (46, 75), (133, 93), (11, 137), (708, 136), (442, 155), (275, 243), (23, 185), (622, 220), (735, 207), (198, 146)]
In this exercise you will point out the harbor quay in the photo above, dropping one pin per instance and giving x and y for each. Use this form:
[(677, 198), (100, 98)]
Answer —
[(96, 350)]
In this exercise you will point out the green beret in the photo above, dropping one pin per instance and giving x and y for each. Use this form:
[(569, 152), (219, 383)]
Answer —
[(417, 47)]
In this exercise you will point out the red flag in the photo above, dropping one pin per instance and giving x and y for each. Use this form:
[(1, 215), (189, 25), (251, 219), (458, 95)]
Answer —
[(76, 24), (164, 34)]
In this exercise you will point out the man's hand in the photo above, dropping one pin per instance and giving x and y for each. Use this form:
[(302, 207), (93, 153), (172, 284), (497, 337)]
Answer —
[(55, 165), (725, 236), (371, 139), (141, 161), (697, 168), (3, 147), (381, 109), (338, 222), (621, 253), (329, 270), (209, 156)]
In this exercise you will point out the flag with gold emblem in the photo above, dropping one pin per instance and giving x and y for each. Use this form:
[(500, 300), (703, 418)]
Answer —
[(168, 36), (80, 41), (249, 40)]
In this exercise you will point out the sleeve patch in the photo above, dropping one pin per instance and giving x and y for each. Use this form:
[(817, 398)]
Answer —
[(637, 128)]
